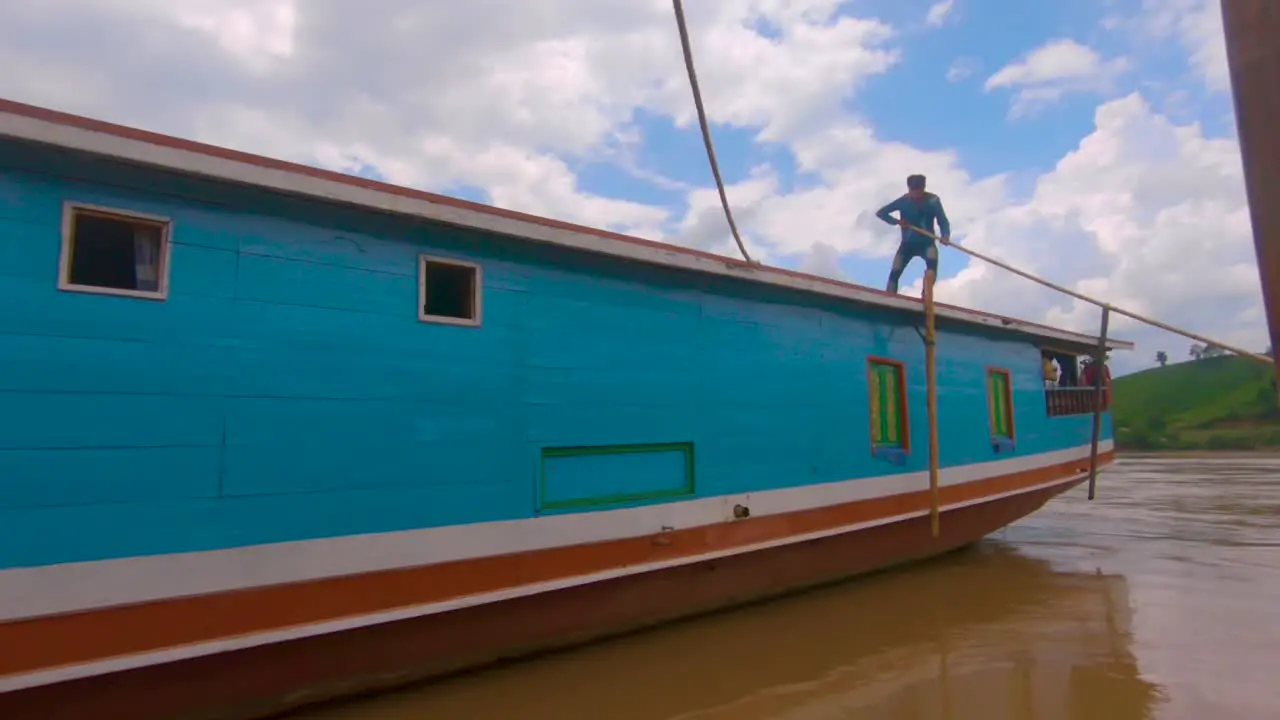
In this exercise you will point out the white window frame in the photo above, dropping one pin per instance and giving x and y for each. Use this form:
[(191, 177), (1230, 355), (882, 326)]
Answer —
[(476, 297), (69, 210)]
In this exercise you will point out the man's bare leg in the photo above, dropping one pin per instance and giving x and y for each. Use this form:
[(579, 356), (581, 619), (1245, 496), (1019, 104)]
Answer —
[(930, 271), (895, 272)]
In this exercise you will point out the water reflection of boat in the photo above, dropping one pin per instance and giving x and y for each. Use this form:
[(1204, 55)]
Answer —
[(991, 634)]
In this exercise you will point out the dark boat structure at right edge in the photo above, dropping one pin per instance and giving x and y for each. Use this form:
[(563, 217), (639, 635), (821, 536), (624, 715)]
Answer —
[(1250, 28)]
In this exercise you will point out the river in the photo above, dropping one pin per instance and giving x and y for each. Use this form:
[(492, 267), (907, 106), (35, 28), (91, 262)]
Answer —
[(1160, 599)]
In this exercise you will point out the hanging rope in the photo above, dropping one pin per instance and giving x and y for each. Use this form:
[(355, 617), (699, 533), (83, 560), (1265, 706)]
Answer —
[(1094, 301), (706, 129), (685, 45)]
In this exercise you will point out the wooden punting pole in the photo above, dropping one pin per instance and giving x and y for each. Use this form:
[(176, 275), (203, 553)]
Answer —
[(931, 402), (1095, 301), (1099, 382), (1252, 30)]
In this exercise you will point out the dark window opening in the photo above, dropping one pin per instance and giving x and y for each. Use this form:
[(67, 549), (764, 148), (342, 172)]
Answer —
[(1068, 386), (115, 252), (449, 290), (1061, 370)]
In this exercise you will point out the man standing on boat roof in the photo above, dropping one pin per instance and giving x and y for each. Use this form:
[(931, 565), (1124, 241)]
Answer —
[(921, 209)]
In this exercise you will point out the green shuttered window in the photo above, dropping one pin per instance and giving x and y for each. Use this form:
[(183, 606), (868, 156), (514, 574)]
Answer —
[(1000, 403), (888, 406)]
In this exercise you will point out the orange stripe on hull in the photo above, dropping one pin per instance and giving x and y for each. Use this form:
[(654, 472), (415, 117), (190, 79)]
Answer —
[(48, 642), (259, 681)]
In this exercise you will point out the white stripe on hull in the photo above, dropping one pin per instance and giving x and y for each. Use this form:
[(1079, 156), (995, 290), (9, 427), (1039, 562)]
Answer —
[(129, 662), (70, 587)]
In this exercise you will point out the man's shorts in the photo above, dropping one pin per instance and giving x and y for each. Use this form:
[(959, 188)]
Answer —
[(905, 252)]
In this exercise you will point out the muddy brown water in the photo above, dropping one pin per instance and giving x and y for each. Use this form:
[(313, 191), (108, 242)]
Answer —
[(1160, 599)]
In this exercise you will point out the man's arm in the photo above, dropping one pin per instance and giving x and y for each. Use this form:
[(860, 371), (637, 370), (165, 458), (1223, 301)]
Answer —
[(944, 224), (883, 213)]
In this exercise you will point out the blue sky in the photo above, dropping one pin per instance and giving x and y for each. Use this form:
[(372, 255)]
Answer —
[(916, 103)]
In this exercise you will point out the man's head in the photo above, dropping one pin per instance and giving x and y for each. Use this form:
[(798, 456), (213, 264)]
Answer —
[(915, 186)]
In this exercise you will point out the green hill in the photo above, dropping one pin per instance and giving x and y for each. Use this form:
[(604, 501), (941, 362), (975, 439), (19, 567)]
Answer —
[(1219, 403)]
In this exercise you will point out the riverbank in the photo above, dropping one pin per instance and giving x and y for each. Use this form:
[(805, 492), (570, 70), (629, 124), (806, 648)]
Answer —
[(1258, 435), (1200, 454)]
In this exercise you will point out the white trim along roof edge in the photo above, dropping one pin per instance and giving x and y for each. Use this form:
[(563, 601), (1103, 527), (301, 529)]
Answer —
[(49, 127)]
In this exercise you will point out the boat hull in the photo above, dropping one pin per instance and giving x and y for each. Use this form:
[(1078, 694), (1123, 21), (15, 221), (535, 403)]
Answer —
[(270, 678)]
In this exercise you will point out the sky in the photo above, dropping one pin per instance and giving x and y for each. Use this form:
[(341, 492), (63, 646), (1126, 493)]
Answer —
[(1090, 142)]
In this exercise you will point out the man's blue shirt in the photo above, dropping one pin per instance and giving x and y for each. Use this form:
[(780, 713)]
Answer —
[(922, 213)]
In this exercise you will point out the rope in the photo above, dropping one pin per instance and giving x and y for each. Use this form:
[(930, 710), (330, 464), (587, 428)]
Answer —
[(1094, 301), (706, 129), (685, 45)]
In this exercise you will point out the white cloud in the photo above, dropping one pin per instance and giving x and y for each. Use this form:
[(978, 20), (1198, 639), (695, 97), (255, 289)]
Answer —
[(961, 68), (1145, 214), (1198, 25), (499, 95), (1052, 70), (938, 12), (512, 96), (823, 259)]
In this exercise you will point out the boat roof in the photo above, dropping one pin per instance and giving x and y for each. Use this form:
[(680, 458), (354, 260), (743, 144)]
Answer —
[(45, 126)]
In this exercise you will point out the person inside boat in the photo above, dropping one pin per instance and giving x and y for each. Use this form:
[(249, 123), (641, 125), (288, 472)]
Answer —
[(1068, 370), (1050, 370), (918, 209), (1089, 375)]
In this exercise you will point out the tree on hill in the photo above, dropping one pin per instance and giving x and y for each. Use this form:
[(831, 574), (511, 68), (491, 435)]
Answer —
[(1196, 352), (1162, 357), (1212, 351)]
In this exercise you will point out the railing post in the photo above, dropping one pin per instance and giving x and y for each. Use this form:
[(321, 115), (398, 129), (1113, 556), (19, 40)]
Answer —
[(1099, 381)]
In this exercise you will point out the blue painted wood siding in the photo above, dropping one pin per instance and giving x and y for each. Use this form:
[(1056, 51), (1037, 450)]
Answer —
[(286, 389)]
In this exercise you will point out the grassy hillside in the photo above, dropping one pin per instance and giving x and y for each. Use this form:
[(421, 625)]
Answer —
[(1221, 403)]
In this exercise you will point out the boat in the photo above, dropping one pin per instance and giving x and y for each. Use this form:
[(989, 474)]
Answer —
[(275, 435)]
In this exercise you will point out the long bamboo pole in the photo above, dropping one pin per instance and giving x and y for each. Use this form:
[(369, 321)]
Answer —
[(931, 401), (1094, 301), (1099, 360)]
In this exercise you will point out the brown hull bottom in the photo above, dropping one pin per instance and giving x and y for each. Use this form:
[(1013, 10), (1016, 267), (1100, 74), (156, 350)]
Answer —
[(257, 682)]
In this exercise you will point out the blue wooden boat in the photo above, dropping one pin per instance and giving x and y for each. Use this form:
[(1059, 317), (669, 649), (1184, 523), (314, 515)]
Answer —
[(273, 434)]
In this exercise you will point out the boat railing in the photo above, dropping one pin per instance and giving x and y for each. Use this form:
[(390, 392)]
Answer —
[(1060, 401)]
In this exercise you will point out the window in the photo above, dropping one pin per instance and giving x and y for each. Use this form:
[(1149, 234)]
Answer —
[(886, 381), (1070, 393), (448, 291), (1000, 403), (114, 253)]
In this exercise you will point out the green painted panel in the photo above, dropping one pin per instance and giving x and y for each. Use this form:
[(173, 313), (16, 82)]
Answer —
[(886, 406), (998, 403), (610, 475)]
